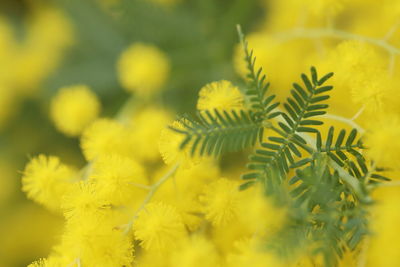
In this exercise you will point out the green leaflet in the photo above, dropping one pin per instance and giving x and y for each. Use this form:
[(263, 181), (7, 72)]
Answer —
[(217, 132)]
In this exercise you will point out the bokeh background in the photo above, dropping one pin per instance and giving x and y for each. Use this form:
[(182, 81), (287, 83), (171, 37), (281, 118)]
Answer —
[(45, 45)]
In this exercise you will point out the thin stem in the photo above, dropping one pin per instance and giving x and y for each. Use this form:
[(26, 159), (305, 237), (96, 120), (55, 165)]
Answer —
[(358, 114), (351, 181), (346, 121), (76, 261), (392, 30), (150, 194), (317, 33)]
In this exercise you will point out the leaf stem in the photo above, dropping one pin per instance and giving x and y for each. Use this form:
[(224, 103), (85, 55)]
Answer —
[(153, 189)]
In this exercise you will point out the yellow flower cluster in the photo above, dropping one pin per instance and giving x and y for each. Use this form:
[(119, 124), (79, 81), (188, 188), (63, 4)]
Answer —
[(143, 69), (73, 108), (220, 95), (135, 205)]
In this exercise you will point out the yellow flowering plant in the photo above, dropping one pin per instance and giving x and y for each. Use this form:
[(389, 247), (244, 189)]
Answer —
[(312, 190)]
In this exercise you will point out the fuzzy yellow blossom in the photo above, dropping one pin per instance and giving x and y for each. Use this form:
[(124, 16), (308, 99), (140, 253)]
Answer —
[(119, 179), (96, 243), (169, 146), (252, 253), (323, 7), (350, 61), (143, 69), (51, 262), (253, 203), (44, 27), (221, 201), (183, 190), (382, 142), (221, 95), (104, 136), (73, 108), (382, 246), (372, 89), (159, 227), (39, 263), (46, 180), (83, 201), (195, 252), (360, 73), (146, 126)]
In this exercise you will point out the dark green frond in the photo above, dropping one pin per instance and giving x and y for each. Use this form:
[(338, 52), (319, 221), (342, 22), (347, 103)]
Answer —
[(337, 222), (346, 152), (303, 105), (257, 87), (217, 132)]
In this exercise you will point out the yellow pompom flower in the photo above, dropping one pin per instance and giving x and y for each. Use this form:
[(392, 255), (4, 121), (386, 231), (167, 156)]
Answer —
[(183, 189), (372, 89), (119, 179), (51, 262), (323, 7), (83, 202), (96, 244), (49, 27), (146, 126), (253, 203), (39, 263), (143, 69), (383, 247), (360, 76), (73, 108), (159, 227), (221, 95), (382, 142), (221, 201), (104, 137), (46, 180), (195, 252), (251, 253), (360, 69)]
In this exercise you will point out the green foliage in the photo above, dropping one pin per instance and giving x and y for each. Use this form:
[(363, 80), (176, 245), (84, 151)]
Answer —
[(219, 131), (257, 86), (280, 152), (328, 195)]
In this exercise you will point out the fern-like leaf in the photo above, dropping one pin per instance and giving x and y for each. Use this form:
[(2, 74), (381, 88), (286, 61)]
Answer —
[(217, 132), (257, 87), (346, 152), (301, 107)]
